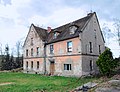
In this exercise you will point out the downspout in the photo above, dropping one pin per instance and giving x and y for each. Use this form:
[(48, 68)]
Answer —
[(44, 57), (80, 38)]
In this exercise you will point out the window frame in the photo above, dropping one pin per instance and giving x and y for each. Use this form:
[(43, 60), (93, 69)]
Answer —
[(38, 64), (26, 52), (69, 46), (67, 67), (51, 48), (31, 41), (31, 64), (91, 65), (26, 64), (91, 49), (31, 51), (38, 51), (99, 49)]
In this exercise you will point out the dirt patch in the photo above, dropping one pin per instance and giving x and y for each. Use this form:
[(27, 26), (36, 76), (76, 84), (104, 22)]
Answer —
[(6, 83)]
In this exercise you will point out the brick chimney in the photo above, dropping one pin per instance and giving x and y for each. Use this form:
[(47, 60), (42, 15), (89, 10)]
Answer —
[(48, 29)]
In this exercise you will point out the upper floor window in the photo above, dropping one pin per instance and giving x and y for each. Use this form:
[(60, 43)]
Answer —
[(51, 49), (32, 52), (27, 52), (37, 64), (31, 64), (38, 51), (95, 33), (72, 29), (99, 49), (90, 44), (67, 66), (31, 41), (69, 46)]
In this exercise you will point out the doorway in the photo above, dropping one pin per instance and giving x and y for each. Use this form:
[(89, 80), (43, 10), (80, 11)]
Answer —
[(52, 67)]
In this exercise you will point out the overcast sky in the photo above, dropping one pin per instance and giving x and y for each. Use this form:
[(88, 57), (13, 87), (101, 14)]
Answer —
[(17, 15)]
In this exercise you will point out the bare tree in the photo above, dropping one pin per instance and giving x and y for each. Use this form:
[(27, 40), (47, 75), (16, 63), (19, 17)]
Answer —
[(19, 59), (117, 28)]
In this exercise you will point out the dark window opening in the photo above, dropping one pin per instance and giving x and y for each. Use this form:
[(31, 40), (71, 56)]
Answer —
[(90, 47), (91, 65), (99, 50), (31, 41), (67, 66), (37, 64), (32, 52), (31, 64), (27, 52)]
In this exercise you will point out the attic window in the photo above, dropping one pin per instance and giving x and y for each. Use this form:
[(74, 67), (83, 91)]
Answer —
[(55, 35), (72, 29)]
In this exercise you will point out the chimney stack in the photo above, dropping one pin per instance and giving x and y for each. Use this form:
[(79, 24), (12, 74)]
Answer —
[(48, 29)]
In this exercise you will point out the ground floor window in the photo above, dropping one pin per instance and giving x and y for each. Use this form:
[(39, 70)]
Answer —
[(27, 64), (67, 66), (31, 64), (91, 65), (38, 64)]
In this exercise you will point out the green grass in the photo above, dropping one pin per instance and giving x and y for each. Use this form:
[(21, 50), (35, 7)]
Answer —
[(37, 83)]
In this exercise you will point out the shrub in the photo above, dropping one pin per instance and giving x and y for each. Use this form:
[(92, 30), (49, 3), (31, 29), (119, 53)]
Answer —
[(105, 62)]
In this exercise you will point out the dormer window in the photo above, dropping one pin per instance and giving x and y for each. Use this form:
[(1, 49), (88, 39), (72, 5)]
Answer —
[(55, 35), (72, 29)]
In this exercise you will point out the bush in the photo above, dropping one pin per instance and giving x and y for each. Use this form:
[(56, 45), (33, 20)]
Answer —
[(105, 62)]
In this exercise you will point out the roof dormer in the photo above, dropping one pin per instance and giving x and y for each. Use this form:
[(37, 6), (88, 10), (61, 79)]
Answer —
[(72, 29)]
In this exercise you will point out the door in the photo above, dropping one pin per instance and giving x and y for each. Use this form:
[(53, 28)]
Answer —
[(52, 68)]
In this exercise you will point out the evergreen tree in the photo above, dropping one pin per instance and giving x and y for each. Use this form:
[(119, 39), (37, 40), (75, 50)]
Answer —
[(105, 62)]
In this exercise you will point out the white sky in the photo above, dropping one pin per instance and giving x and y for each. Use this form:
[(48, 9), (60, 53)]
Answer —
[(17, 15)]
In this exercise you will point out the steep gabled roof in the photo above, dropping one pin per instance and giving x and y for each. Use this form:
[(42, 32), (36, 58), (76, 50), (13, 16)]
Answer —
[(64, 30), (41, 32)]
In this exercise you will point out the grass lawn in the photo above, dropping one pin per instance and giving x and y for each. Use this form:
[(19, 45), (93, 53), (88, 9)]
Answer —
[(38, 83)]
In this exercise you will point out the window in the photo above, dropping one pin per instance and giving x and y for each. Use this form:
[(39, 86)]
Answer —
[(55, 35), (37, 64), (38, 51), (31, 41), (27, 64), (90, 47), (99, 50), (72, 29), (95, 33), (51, 49), (67, 66), (32, 52), (31, 64), (27, 52), (91, 65), (69, 46)]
